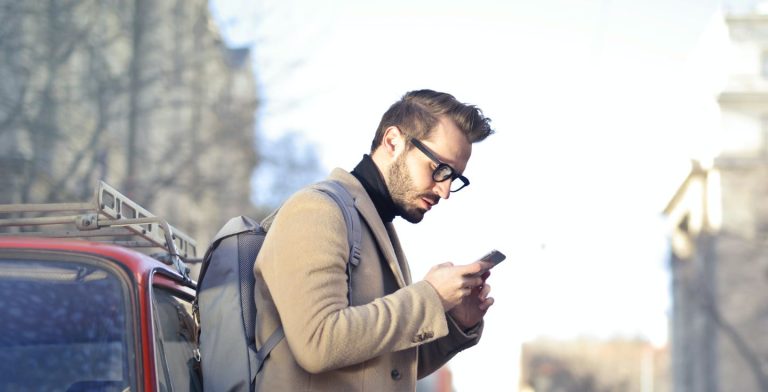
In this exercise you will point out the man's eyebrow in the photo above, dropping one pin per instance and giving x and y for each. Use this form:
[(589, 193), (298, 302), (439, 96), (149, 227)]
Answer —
[(440, 157)]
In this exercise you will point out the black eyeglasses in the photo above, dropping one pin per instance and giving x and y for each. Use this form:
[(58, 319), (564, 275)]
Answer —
[(443, 171)]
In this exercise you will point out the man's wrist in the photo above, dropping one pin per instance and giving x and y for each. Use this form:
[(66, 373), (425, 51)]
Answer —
[(468, 330), (473, 329)]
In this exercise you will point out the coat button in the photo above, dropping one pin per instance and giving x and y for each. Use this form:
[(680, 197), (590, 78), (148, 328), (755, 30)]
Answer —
[(395, 374)]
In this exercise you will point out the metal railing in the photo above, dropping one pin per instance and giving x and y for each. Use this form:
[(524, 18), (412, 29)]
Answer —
[(111, 215)]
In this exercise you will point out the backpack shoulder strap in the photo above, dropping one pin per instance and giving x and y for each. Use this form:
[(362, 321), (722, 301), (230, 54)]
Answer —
[(354, 227), (261, 355)]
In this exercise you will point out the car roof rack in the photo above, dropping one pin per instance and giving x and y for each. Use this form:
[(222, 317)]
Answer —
[(111, 214)]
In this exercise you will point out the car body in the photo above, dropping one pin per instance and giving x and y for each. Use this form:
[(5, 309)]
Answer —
[(81, 315)]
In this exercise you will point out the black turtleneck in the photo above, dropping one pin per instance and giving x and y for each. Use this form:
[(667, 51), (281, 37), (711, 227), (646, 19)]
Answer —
[(369, 175)]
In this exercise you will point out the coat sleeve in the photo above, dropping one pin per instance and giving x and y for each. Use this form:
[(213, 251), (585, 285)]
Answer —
[(303, 264), (437, 353)]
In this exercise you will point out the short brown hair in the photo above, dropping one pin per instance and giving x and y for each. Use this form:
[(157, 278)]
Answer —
[(417, 113)]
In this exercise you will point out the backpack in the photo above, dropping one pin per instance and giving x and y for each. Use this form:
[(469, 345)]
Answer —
[(225, 296)]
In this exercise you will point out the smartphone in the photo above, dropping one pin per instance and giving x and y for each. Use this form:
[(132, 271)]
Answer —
[(494, 257)]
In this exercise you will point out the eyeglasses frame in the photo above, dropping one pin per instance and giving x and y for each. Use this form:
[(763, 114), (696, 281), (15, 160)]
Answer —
[(440, 164)]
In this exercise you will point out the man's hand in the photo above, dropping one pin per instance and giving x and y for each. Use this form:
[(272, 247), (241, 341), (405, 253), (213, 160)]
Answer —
[(472, 308), (454, 283)]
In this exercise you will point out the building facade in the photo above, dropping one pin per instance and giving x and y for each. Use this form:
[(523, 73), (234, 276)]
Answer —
[(719, 224)]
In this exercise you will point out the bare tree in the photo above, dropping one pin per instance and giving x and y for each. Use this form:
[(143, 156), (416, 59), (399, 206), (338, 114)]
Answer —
[(144, 95), (137, 93)]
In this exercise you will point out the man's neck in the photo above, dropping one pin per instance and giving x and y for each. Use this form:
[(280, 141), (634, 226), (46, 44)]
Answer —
[(370, 176)]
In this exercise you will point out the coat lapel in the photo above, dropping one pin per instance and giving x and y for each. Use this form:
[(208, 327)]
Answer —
[(403, 261), (367, 210)]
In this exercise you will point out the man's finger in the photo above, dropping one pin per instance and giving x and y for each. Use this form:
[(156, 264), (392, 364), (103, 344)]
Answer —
[(474, 282), (486, 303), (474, 268), (447, 264), (484, 291)]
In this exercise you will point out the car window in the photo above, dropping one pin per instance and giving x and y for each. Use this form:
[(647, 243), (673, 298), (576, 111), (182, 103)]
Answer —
[(177, 365), (64, 326)]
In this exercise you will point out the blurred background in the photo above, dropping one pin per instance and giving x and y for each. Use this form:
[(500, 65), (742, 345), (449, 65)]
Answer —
[(626, 182)]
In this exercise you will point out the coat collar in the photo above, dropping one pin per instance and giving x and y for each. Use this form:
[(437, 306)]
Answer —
[(389, 245)]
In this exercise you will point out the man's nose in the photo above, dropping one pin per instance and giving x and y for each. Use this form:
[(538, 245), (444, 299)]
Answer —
[(444, 189)]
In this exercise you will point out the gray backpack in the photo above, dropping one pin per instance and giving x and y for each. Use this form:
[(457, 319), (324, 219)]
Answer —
[(225, 297)]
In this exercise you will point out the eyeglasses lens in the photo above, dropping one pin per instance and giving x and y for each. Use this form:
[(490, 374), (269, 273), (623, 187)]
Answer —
[(442, 173), (457, 184)]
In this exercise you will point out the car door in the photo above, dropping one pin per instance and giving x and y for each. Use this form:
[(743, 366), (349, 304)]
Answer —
[(177, 360)]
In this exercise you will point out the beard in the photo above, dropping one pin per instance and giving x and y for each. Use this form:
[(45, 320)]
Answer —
[(403, 194)]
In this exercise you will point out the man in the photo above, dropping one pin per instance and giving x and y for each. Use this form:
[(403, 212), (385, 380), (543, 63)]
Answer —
[(388, 331)]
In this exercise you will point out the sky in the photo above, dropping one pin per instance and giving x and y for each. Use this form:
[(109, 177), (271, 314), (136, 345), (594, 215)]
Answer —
[(598, 107)]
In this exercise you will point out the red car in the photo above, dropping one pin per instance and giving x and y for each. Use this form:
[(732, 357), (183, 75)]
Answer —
[(80, 315)]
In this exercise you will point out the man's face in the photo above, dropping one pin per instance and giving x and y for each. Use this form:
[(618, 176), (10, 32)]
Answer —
[(410, 176)]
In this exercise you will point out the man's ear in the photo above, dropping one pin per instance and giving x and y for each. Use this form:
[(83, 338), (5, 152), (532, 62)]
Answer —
[(393, 141)]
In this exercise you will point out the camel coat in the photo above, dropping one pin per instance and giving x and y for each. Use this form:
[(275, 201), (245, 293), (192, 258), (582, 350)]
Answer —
[(391, 333)]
